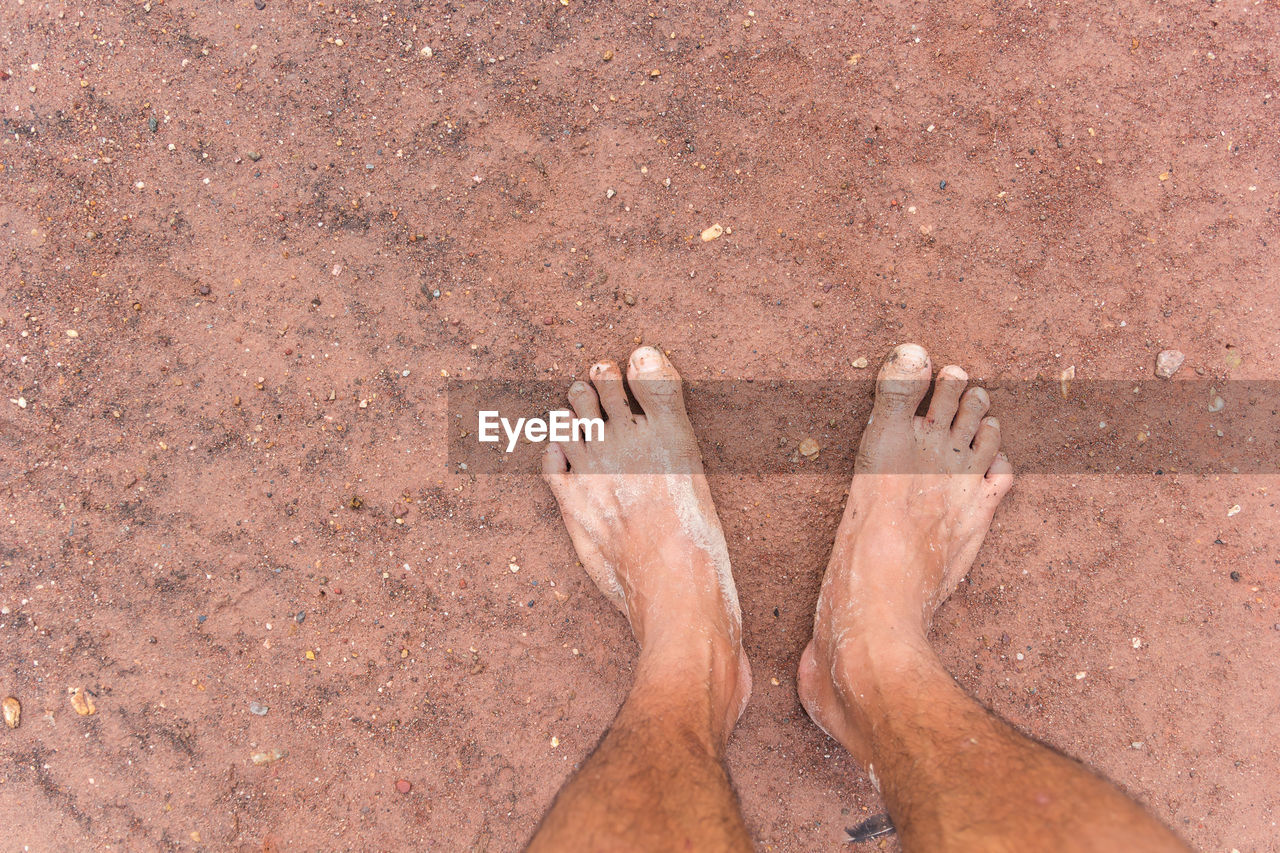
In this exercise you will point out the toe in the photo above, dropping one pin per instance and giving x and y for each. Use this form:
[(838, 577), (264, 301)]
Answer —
[(973, 405), (583, 399), (555, 468), (946, 396), (986, 444), (608, 381), (903, 380), (654, 383), (999, 478)]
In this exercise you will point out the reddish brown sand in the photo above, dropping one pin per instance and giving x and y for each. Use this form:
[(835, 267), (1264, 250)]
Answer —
[(249, 282)]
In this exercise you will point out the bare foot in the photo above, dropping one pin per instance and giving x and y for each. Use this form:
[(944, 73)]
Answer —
[(643, 523), (923, 494)]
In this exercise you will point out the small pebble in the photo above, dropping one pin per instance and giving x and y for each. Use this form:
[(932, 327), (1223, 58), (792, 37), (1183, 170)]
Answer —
[(1065, 379), (629, 298), (259, 4), (153, 124), (809, 449), (404, 786), (712, 232), (268, 756), (1217, 404), (300, 616), (1168, 362), (82, 702), (12, 712), (258, 709), (860, 362)]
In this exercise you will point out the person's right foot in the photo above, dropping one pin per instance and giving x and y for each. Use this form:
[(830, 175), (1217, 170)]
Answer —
[(923, 494)]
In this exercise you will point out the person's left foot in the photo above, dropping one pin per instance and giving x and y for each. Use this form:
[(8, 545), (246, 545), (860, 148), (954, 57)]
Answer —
[(643, 523)]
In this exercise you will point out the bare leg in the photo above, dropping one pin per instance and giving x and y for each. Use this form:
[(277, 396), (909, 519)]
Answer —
[(954, 776), (644, 526)]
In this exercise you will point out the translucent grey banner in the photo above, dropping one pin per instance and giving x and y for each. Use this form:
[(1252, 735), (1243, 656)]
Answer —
[(1148, 426)]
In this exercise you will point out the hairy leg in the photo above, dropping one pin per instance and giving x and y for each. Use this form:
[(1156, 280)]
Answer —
[(643, 523), (954, 776)]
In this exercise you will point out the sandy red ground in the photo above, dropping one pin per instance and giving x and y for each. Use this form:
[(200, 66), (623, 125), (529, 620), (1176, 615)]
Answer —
[(276, 231)]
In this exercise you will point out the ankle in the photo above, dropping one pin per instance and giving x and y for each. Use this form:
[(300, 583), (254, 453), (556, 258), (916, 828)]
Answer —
[(873, 672), (698, 681)]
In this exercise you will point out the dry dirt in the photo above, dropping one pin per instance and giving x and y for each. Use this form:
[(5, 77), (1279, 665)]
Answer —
[(274, 232)]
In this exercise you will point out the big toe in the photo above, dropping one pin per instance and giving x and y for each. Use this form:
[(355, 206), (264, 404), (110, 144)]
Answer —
[(654, 383), (903, 381)]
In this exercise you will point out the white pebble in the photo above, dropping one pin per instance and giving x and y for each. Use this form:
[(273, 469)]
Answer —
[(1168, 362)]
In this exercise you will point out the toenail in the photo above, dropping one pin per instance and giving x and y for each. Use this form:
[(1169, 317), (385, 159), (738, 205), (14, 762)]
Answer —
[(578, 388), (646, 359), (991, 422), (979, 397)]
